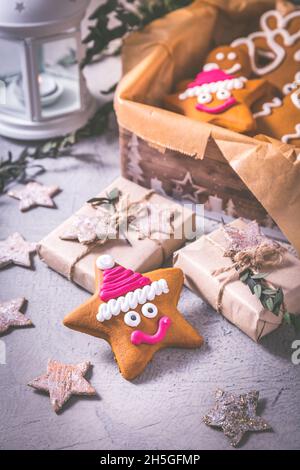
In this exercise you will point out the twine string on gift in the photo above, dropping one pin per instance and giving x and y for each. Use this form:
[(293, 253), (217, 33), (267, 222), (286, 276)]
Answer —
[(125, 213), (264, 255)]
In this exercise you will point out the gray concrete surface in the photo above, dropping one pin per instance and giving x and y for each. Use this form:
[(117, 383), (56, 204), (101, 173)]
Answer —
[(163, 408)]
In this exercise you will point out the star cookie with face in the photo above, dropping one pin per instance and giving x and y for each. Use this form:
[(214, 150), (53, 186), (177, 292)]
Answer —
[(136, 314), (281, 119), (219, 98)]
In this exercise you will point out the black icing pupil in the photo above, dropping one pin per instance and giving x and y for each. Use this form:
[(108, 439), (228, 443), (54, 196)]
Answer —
[(133, 317), (150, 310)]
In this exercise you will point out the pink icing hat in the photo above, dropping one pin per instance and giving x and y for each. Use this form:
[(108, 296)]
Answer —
[(122, 289), (210, 76), (118, 281)]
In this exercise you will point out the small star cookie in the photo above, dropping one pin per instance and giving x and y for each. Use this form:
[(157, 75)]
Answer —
[(10, 315), (136, 314), (219, 98), (236, 415), (15, 250), (62, 381), (34, 194)]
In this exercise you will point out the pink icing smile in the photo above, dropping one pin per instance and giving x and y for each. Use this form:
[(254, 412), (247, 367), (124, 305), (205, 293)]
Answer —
[(217, 109), (138, 336)]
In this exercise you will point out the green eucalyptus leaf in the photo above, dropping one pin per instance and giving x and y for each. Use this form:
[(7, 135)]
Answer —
[(244, 276), (270, 292), (257, 290), (270, 304)]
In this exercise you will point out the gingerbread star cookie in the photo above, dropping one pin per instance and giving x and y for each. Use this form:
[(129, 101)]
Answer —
[(10, 315), (34, 194), (281, 119), (219, 98), (136, 314), (62, 381), (231, 60)]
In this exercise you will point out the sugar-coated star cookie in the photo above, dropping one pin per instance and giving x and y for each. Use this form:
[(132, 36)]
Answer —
[(281, 118), (219, 98), (136, 314)]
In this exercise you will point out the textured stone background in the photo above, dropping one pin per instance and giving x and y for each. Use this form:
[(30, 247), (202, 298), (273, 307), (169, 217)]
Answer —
[(163, 408)]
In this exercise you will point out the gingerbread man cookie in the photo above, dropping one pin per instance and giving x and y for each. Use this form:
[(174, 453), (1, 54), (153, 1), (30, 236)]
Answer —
[(278, 44), (137, 314), (232, 60), (281, 119), (219, 98)]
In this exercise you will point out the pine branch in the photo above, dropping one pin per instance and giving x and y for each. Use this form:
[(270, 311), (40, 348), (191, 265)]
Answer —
[(128, 16)]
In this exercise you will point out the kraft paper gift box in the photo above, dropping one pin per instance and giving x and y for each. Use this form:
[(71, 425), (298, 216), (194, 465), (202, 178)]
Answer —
[(200, 259), (191, 159), (69, 259)]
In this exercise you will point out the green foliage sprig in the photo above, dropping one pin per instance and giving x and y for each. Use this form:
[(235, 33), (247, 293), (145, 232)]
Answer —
[(126, 16), (270, 297)]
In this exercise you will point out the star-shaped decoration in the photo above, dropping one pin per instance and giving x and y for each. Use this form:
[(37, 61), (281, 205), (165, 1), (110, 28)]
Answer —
[(10, 314), (160, 326), (16, 250), (88, 229), (240, 240), (187, 189), (34, 194), (237, 118), (62, 381), (19, 7), (236, 415)]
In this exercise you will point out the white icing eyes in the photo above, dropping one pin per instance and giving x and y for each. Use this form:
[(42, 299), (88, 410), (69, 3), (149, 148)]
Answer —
[(288, 88), (149, 310), (220, 56), (132, 318), (204, 98), (223, 94), (231, 56), (297, 56)]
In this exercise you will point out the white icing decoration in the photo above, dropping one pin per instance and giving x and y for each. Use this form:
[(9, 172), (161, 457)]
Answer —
[(235, 68), (269, 35), (131, 300), (223, 94), (105, 262), (285, 138), (231, 55), (220, 56), (229, 84), (295, 98), (146, 310), (210, 66), (267, 108), (297, 56), (204, 98), (288, 88), (132, 319)]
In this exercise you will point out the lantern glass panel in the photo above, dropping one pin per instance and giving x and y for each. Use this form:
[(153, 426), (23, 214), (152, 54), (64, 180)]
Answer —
[(12, 95), (58, 77)]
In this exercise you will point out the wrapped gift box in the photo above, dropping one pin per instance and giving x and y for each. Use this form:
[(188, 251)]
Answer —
[(76, 260), (189, 159), (201, 258)]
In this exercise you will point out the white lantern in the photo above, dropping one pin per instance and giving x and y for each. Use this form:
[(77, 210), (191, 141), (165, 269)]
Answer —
[(42, 90)]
